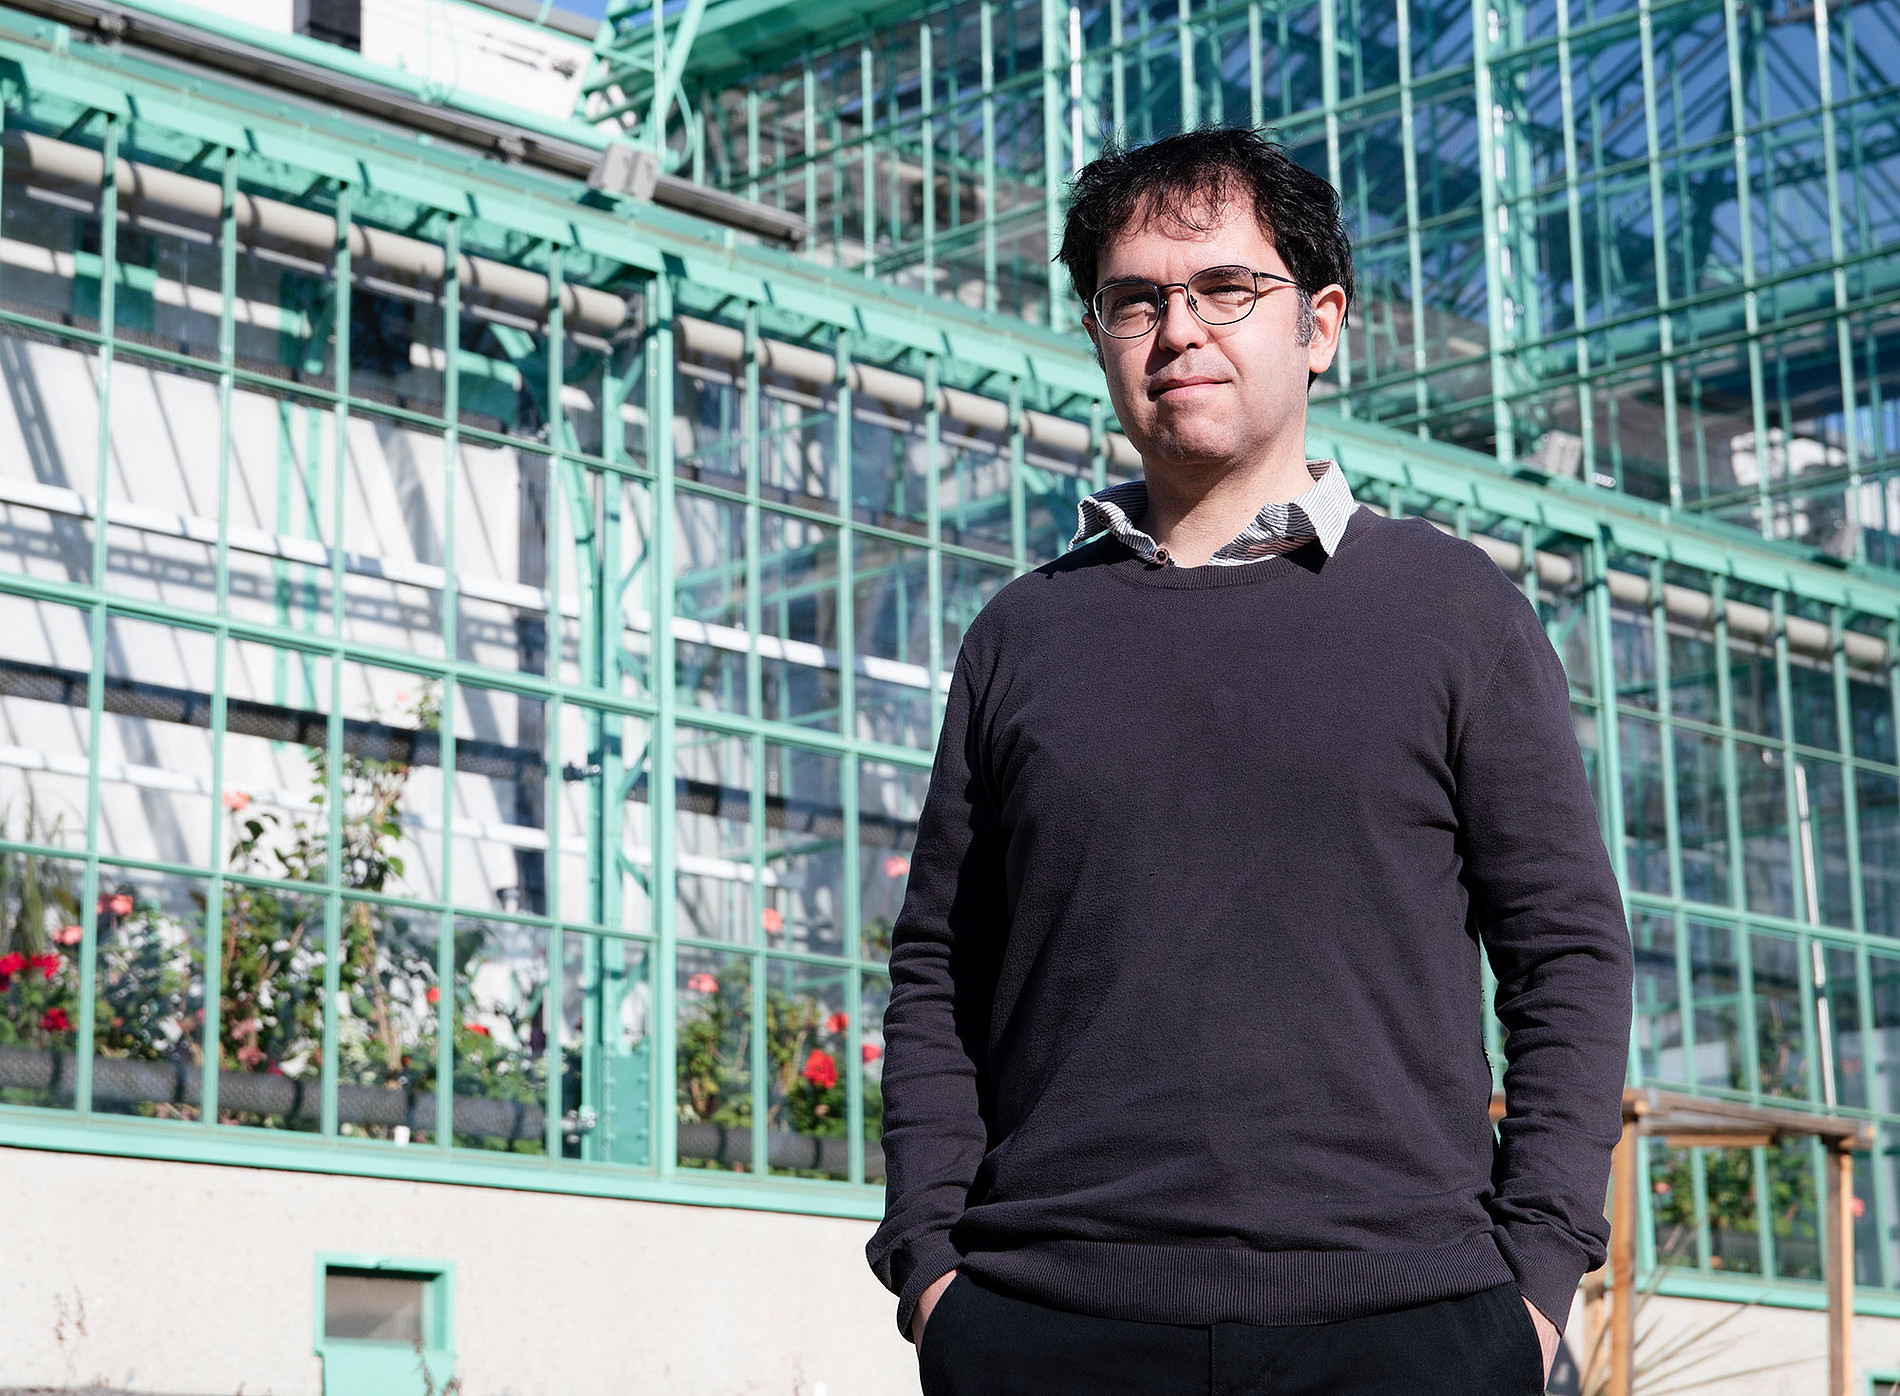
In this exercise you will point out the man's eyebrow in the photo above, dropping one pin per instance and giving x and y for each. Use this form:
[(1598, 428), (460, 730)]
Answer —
[(1123, 281)]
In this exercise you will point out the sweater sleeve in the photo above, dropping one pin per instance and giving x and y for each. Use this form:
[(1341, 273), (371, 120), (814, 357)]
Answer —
[(943, 951), (1551, 916)]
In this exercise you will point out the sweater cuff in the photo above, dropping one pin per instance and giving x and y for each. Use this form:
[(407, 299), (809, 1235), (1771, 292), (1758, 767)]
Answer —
[(920, 1265), (1548, 1266)]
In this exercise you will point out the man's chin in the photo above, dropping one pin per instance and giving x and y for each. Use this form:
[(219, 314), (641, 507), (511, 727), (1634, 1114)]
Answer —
[(1192, 446)]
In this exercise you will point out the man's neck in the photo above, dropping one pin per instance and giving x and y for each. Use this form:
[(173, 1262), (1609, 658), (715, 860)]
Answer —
[(1195, 513)]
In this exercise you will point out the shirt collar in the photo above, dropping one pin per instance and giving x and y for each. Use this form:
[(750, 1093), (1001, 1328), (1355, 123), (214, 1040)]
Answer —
[(1320, 515)]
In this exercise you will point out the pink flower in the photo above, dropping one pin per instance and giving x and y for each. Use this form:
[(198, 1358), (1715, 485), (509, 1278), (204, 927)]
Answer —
[(55, 1020), (702, 984), (70, 935), (1860, 1207), (235, 800), (772, 919), (115, 904), (897, 865), (249, 1055), (872, 1052), (821, 1069), (837, 1023)]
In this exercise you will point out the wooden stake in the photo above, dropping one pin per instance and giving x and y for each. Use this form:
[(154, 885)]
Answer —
[(1623, 1264), (1840, 1269)]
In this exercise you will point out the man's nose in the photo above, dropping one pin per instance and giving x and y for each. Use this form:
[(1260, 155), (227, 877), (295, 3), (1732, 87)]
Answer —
[(1180, 328)]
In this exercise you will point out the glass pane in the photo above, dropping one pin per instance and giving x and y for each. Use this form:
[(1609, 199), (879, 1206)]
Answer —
[(890, 799), (606, 850), (271, 1010), (1811, 689), (501, 558), (713, 832), (1752, 690), (501, 797), (890, 471), (1658, 1001), (967, 588), (44, 677), (973, 488), (709, 596), (1872, 708), (1878, 810), (892, 635), (1692, 673), (40, 937), (1791, 1202), (1701, 817), (710, 420), (1734, 1221), (276, 735), (606, 1050), (1763, 796), (798, 596), (386, 1025), (391, 783), (1633, 647), (714, 1082), (501, 976), (1843, 1005), (155, 742), (798, 446), (803, 902), (1715, 980), (148, 1018), (395, 534), (1780, 1037), (874, 999), (1645, 828), (807, 1026), (1672, 1203), (373, 1307), (1824, 841)]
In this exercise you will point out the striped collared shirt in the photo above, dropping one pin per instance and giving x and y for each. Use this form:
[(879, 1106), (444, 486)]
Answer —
[(1318, 515)]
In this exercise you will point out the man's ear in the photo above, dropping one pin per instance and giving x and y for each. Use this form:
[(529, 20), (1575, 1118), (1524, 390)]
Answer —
[(1329, 318), (1095, 342)]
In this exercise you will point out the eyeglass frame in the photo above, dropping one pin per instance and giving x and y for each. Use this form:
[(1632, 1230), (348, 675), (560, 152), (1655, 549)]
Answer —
[(1162, 288)]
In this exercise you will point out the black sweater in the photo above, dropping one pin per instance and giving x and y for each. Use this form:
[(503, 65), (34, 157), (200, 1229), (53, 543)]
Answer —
[(1185, 1012)]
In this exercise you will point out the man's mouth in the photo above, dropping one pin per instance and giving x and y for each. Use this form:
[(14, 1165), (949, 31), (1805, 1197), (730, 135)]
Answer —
[(1181, 386)]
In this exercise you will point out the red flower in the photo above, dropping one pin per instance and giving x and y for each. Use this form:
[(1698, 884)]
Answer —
[(821, 1070), (70, 935), (772, 919), (12, 964), (872, 1052), (478, 1029), (55, 1020), (837, 1023), (434, 995), (897, 865), (47, 965), (702, 984)]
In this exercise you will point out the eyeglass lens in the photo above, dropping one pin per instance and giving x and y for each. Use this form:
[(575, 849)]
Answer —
[(1217, 296)]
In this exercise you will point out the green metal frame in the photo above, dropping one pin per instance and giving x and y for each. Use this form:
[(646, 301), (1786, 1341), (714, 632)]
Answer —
[(966, 523), (1581, 227)]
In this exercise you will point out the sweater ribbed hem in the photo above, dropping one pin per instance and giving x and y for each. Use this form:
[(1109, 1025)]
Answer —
[(1231, 1284)]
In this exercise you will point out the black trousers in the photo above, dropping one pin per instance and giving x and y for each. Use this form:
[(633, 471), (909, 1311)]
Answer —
[(981, 1343)]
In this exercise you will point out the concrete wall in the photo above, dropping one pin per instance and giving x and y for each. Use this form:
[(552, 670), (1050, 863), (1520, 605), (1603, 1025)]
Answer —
[(198, 1279), (192, 1280)]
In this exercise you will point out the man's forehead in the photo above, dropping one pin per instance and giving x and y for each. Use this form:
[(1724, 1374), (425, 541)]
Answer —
[(1203, 218)]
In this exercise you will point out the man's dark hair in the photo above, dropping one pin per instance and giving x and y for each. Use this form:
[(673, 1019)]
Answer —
[(1189, 179)]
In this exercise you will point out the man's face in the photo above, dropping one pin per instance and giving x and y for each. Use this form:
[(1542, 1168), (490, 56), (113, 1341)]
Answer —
[(1193, 396)]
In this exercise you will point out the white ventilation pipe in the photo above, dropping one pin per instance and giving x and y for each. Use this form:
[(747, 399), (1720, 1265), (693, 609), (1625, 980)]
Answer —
[(312, 231)]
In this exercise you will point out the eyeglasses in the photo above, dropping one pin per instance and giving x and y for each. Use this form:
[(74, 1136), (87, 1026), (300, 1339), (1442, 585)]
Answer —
[(1218, 296)]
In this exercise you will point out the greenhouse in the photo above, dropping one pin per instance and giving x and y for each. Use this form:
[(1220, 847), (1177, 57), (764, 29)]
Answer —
[(483, 539)]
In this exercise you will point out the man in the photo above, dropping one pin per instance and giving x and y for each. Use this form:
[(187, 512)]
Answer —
[(1185, 1087)]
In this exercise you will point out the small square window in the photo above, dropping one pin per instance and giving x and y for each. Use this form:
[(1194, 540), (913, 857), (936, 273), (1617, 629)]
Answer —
[(373, 1306), (384, 1325)]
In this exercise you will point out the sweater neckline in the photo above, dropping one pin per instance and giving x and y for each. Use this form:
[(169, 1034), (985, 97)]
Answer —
[(1132, 569)]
